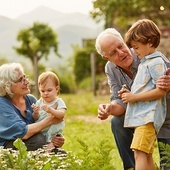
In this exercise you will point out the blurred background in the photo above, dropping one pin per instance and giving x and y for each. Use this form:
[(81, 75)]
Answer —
[(60, 36)]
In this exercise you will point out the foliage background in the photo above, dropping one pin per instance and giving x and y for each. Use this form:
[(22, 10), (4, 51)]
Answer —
[(82, 126)]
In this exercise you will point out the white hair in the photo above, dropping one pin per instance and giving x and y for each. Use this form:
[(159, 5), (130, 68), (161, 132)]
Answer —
[(8, 76), (108, 31)]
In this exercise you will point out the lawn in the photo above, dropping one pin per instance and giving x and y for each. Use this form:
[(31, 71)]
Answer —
[(84, 130), (88, 141)]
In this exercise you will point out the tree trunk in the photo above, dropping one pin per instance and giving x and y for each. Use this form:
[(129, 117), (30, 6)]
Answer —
[(35, 66)]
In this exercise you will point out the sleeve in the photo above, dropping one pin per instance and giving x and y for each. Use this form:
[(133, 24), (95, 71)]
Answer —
[(11, 125), (61, 104), (157, 69), (115, 83)]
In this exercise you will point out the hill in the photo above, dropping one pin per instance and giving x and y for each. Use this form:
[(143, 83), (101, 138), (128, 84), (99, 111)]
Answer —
[(70, 28), (57, 19)]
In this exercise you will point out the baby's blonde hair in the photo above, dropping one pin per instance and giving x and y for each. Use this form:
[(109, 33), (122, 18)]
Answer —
[(43, 78)]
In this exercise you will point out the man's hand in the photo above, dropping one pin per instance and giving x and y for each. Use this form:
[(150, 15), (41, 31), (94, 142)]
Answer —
[(103, 111), (164, 81)]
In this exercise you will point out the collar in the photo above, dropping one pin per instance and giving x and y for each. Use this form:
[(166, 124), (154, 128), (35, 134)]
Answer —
[(150, 56)]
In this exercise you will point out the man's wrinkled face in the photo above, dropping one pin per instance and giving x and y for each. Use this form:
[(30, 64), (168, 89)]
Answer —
[(115, 50)]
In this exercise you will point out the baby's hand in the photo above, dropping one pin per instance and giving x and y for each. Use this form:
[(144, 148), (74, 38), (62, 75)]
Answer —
[(45, 107), (33, 105), (35, 108)]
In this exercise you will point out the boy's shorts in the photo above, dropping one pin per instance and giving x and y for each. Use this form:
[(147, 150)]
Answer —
[(144, 138)]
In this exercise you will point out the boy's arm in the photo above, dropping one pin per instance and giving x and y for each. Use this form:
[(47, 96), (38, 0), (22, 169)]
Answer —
[(150, 95), (144, 96)]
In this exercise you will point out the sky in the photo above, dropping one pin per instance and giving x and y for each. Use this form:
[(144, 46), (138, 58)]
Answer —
[(15, 8)]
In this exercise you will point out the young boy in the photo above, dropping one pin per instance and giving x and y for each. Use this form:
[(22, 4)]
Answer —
[(146, 108)]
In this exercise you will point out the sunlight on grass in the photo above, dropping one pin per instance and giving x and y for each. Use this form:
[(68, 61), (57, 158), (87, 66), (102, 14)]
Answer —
[(92, 132), (89, 142), (82, 124), (83, 103)]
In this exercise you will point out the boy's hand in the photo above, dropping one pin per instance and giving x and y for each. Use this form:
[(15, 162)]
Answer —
[(123, 90), (128, 97)]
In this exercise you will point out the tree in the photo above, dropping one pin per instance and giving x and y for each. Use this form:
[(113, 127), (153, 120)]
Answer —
[(82, 62), (121, 13), (36, 43)]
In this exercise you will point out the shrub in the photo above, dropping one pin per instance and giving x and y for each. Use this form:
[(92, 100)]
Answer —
[(165, 151), (21, 159)]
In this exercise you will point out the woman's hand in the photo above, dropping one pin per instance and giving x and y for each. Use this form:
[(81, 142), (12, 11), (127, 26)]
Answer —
[(53, 120), (58, 141)]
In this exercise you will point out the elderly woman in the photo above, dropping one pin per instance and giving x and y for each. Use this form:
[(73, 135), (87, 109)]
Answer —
[(16, 112)]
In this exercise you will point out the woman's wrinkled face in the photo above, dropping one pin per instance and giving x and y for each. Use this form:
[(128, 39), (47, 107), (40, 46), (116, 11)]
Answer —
[(21, 86), (115, 50)]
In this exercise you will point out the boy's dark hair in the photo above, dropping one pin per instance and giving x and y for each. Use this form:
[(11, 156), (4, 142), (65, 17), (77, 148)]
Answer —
[(143, 31)]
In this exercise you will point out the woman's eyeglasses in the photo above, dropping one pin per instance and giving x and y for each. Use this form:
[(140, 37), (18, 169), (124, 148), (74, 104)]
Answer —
[(22, 79)]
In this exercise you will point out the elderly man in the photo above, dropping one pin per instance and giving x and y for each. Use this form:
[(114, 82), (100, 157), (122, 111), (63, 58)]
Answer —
[(121, 69)]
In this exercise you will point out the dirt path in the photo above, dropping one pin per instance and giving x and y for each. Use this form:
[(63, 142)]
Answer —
[(89, 118)]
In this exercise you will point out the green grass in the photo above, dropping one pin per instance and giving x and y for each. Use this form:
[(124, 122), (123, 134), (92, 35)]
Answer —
[(83, 103), (88, 141), (83, 125), (93, 133)]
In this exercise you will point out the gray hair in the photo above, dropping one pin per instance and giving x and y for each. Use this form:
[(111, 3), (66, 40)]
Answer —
[(8, 76), (108, 31)]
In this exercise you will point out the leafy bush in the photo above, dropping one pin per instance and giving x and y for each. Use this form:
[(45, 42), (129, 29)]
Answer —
[(165, 151), (21, 159), (97, 157), (82, 65)]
